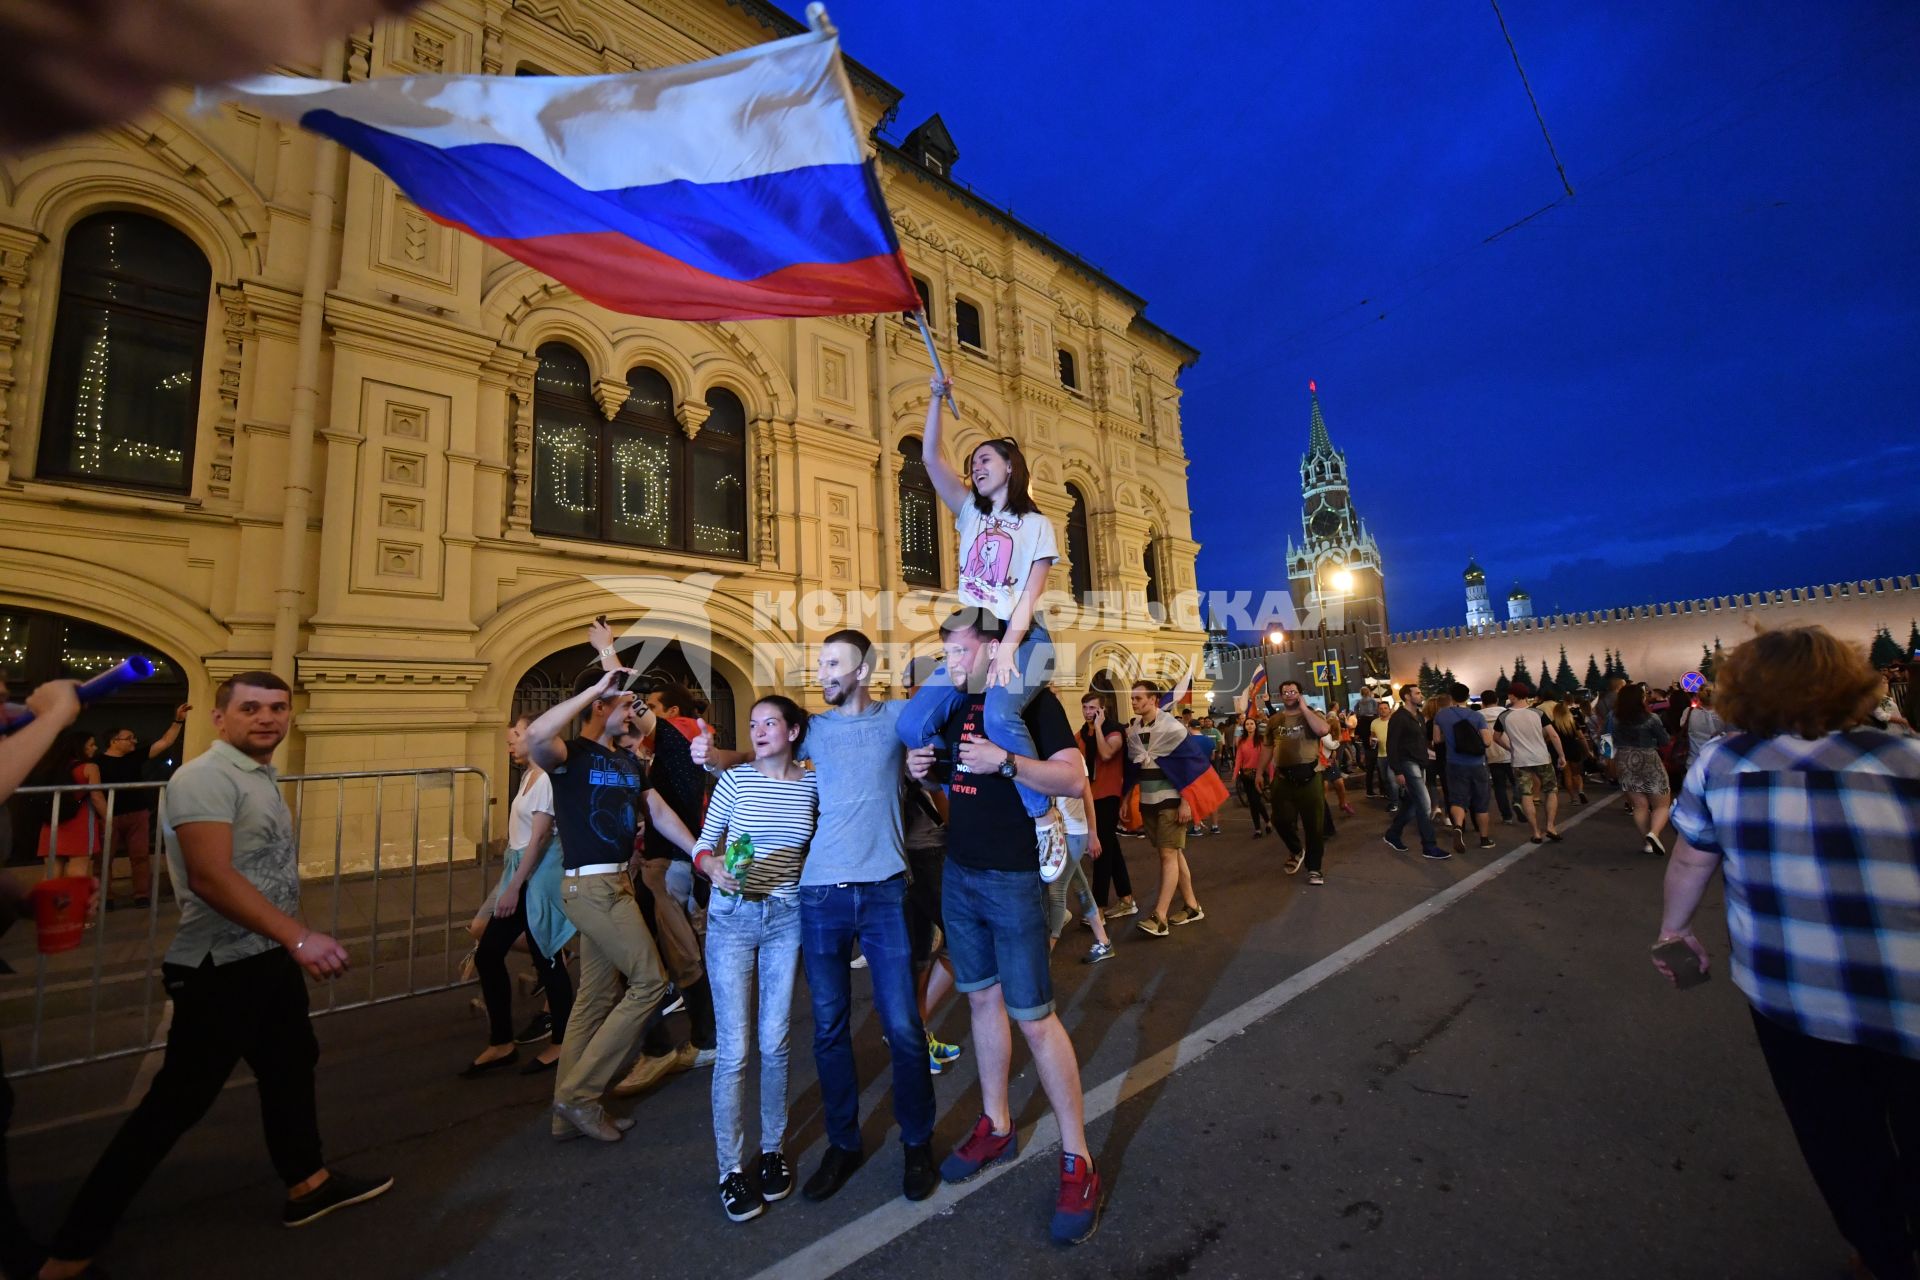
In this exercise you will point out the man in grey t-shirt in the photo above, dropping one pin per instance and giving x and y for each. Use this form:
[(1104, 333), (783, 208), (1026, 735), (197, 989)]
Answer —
[(855, 886), (234, 976)]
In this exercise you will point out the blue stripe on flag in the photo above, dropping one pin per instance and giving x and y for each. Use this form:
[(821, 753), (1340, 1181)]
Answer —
[(736, 230)]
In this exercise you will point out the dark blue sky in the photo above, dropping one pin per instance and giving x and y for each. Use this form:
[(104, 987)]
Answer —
[(1700, 375)]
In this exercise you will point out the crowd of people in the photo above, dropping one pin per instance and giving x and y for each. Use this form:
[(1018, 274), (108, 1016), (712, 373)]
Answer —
[(943, 841)]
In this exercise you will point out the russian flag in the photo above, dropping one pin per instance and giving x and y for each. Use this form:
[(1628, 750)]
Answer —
[(738, 188)]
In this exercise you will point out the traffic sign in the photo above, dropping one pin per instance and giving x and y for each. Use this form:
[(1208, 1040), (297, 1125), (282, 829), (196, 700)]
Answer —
[(1693, 682), (1326, 674)]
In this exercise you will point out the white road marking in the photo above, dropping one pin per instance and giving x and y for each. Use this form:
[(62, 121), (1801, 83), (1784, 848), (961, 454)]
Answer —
[(840, 1249)]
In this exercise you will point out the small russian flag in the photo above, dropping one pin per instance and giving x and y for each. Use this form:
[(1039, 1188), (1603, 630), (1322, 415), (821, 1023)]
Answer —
[(737, 188)]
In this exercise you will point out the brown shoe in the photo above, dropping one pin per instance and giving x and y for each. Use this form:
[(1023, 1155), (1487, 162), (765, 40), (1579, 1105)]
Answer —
[(589, 1119), (648, 1072)]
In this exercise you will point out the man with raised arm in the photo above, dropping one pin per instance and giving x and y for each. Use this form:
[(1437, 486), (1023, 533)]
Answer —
[(854, 885), (598, 795)]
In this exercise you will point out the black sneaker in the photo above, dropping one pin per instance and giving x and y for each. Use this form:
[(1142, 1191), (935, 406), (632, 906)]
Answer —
[(739, 1199), (337, 1192), (541, 1028), (1486, 842), (1395, 843), (776, 1176), (921, 1178), (1435, 853), (835, 1168)]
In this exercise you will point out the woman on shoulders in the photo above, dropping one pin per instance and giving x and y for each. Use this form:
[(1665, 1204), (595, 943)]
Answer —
[(1007, 547)]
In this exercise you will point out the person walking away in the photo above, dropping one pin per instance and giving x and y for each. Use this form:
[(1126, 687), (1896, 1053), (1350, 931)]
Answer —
[(1365, 710), (1499, 766), (996, 916), (1333, 778), (1389, 786), (1166, 815), (1246, 772), (767, 811), (1104, 744), (1573, 750), (1290, 761), (131, 831), (1406, 756), (1470, 781), (235, 975), (599, 796), (1437, 752), (1533, 743), (1638, 735), (1082, 847), (1007, 545), (853, 887), (1702, 723), (1814, 817), (526, 903)]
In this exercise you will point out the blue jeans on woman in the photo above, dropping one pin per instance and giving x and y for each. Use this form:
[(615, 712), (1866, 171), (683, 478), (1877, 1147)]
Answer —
[(924, 721), (749, 945)]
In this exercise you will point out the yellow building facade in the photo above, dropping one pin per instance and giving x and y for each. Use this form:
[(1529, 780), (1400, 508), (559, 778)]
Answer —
[(386, 421)]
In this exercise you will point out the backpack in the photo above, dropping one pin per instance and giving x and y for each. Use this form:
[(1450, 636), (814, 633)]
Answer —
[(1465, 739)]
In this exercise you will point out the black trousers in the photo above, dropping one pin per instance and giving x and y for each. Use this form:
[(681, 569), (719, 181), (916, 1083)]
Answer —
[(490, 959), (1256, 803), (1503, 788), (1110, 868), (1856, 1113), (252, 1010), (1363, 744)]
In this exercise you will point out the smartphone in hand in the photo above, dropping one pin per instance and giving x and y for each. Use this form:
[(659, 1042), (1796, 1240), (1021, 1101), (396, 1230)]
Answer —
[(1679, 957), (940, 773)]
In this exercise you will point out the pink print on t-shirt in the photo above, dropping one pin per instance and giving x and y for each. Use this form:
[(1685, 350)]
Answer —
[(989, 563)]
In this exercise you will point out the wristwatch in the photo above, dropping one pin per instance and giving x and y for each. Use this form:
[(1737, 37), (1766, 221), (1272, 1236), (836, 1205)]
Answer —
[(1009, 767)]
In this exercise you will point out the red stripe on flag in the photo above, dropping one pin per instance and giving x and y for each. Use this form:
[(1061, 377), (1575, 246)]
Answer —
[(626, 276)]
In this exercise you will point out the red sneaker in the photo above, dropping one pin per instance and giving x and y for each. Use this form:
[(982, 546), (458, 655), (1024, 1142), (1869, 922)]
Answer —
[(982, 1147), (1077, 1213)]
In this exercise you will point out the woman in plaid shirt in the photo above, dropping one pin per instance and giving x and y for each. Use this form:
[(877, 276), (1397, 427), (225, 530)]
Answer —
[(1815, 818)]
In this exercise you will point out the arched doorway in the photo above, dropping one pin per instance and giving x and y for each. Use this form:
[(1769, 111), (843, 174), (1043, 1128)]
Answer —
[(37, 646)]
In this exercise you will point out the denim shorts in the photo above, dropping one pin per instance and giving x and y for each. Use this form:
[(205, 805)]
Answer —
[(996, 925), (1469, 787)]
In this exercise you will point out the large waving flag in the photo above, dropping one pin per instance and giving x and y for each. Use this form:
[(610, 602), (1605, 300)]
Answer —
[(736, 188)]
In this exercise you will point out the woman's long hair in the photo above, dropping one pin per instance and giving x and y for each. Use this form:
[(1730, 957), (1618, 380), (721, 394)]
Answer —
[(1630, 706), (1019, 500)]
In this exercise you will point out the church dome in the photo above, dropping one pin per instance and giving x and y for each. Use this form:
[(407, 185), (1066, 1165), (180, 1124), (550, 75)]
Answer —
[(1517, 593), (1475, 574)]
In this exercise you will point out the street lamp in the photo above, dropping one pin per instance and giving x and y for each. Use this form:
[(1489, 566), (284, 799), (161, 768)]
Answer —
[(1276, 641)]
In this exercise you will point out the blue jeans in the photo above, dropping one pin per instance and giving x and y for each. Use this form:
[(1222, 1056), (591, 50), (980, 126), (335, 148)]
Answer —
[(750, 944), (997, 935), (1074, 881), (1414, 801), (1389, 785), (932, 705), (831, 917)]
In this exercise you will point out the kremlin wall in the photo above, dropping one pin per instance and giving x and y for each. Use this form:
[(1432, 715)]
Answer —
[(1656, 642)]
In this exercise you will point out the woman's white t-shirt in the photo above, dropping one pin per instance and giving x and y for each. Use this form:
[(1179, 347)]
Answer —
[(534, 797), (997, 554)]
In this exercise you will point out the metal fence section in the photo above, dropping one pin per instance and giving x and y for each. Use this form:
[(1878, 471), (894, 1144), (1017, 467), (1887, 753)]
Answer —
[(393, 864)]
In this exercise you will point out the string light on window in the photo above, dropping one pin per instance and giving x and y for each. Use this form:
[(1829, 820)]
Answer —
[(568, 451), (176, 381), (643, 477)]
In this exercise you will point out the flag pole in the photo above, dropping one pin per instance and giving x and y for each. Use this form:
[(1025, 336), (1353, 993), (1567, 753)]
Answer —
[(926, 334)]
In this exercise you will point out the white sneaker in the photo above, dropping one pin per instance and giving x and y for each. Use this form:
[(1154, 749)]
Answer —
[(1051, 832)]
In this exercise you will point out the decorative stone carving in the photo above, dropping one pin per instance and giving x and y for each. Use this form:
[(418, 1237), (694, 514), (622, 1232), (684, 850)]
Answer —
[(691, 417), (520, 412), (763, 490), (236, 324), (16, 254), (610, 394)]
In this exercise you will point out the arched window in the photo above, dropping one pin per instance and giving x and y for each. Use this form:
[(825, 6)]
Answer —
[(966, 324), (123, 388), (919, 519), (1079, 547), (1152, 564), (636, 480), (645, 470), (925, 291), (1069, 376), (719, 478), (566, 446)]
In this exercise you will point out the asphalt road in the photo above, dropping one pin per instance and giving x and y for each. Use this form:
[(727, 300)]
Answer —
[(1501, 1088)]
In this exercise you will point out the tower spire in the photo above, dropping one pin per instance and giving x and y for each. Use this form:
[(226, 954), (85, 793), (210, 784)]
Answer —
[(1318, 440)]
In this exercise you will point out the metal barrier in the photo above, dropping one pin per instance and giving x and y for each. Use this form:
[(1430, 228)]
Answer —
[(342, 886)]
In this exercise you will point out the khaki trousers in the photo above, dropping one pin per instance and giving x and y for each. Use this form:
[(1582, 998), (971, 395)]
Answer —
[(606, 1023)]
